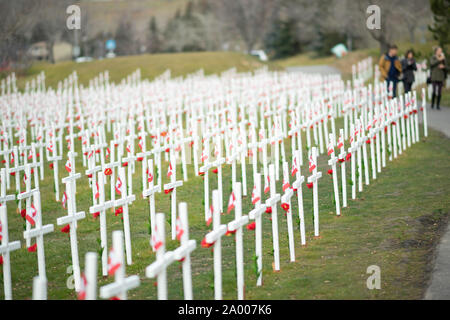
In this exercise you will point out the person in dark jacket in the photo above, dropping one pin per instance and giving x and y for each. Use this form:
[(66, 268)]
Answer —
[(439, 68), (408, 68), (390, 68)]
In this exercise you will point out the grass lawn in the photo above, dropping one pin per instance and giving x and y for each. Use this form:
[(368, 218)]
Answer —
[(395, 224), (151, 65)]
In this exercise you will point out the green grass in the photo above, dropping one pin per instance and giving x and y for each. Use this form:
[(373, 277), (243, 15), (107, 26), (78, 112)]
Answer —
[(151, 65), (395, 224)]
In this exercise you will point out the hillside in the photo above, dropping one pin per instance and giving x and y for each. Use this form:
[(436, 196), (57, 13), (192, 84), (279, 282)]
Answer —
[(108, 13), (151, 65)]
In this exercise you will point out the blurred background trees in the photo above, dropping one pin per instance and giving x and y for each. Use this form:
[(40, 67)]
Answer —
[(280, 27)]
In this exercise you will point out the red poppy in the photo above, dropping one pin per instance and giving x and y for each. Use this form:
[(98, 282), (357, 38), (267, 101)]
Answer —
[(125, 164), (368, 141), (309, 185), (66, 229), (215, 170), (108, 171), (229, 233), (89, 175), (97, 151), (385, 129), (285, 206), (119, 210), (3, 161), (167, 191), (269, 210), (1, 260), (51, 166), (168, 149), (251, 226), (140, 158), (23, 212), (96, 214), (330, 171), (181, 260), (405, 116), (32, 248), (13, 173), (206, 244), (201, 173), (115, 298), (341, 160), (349, 155)]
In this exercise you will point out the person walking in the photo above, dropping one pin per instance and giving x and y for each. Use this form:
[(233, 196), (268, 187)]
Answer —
[(408, 68), (439, 68), (390, 68)]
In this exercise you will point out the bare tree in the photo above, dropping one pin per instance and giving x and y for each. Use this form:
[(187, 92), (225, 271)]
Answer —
[(16, 19), (413, 11), (250, 19)]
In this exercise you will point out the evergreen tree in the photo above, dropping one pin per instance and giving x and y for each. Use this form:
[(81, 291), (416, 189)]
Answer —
[(155, 42), (282, 41), (441, 25)]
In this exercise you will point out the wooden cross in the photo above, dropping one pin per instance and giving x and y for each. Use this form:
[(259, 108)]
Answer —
[(38, 232), (272, 203), (158, 268), (6, 247), (121, 284), (71, 219), (236, 227), (183, 252), (314, 180)]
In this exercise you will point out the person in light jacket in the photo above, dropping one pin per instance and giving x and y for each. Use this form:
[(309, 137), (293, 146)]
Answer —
[(408, 68), (439, 69)]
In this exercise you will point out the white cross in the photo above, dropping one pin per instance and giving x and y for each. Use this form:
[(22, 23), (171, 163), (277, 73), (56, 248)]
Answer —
[(27, 195), (272, 202), (214, 237), (236, 226), (332, 162), (123, 202), (173, 185), (101, 207), (90, 274), (297, 185), (38, 232), (121, 284), (71, 219), (150, 192), (183, 252), (256, 214), (158, 268), (314, 180), (6, 247), (39, 288), (286, 200)]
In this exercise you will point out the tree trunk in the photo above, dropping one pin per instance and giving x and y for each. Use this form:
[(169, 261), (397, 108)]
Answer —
[(51, 56)]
